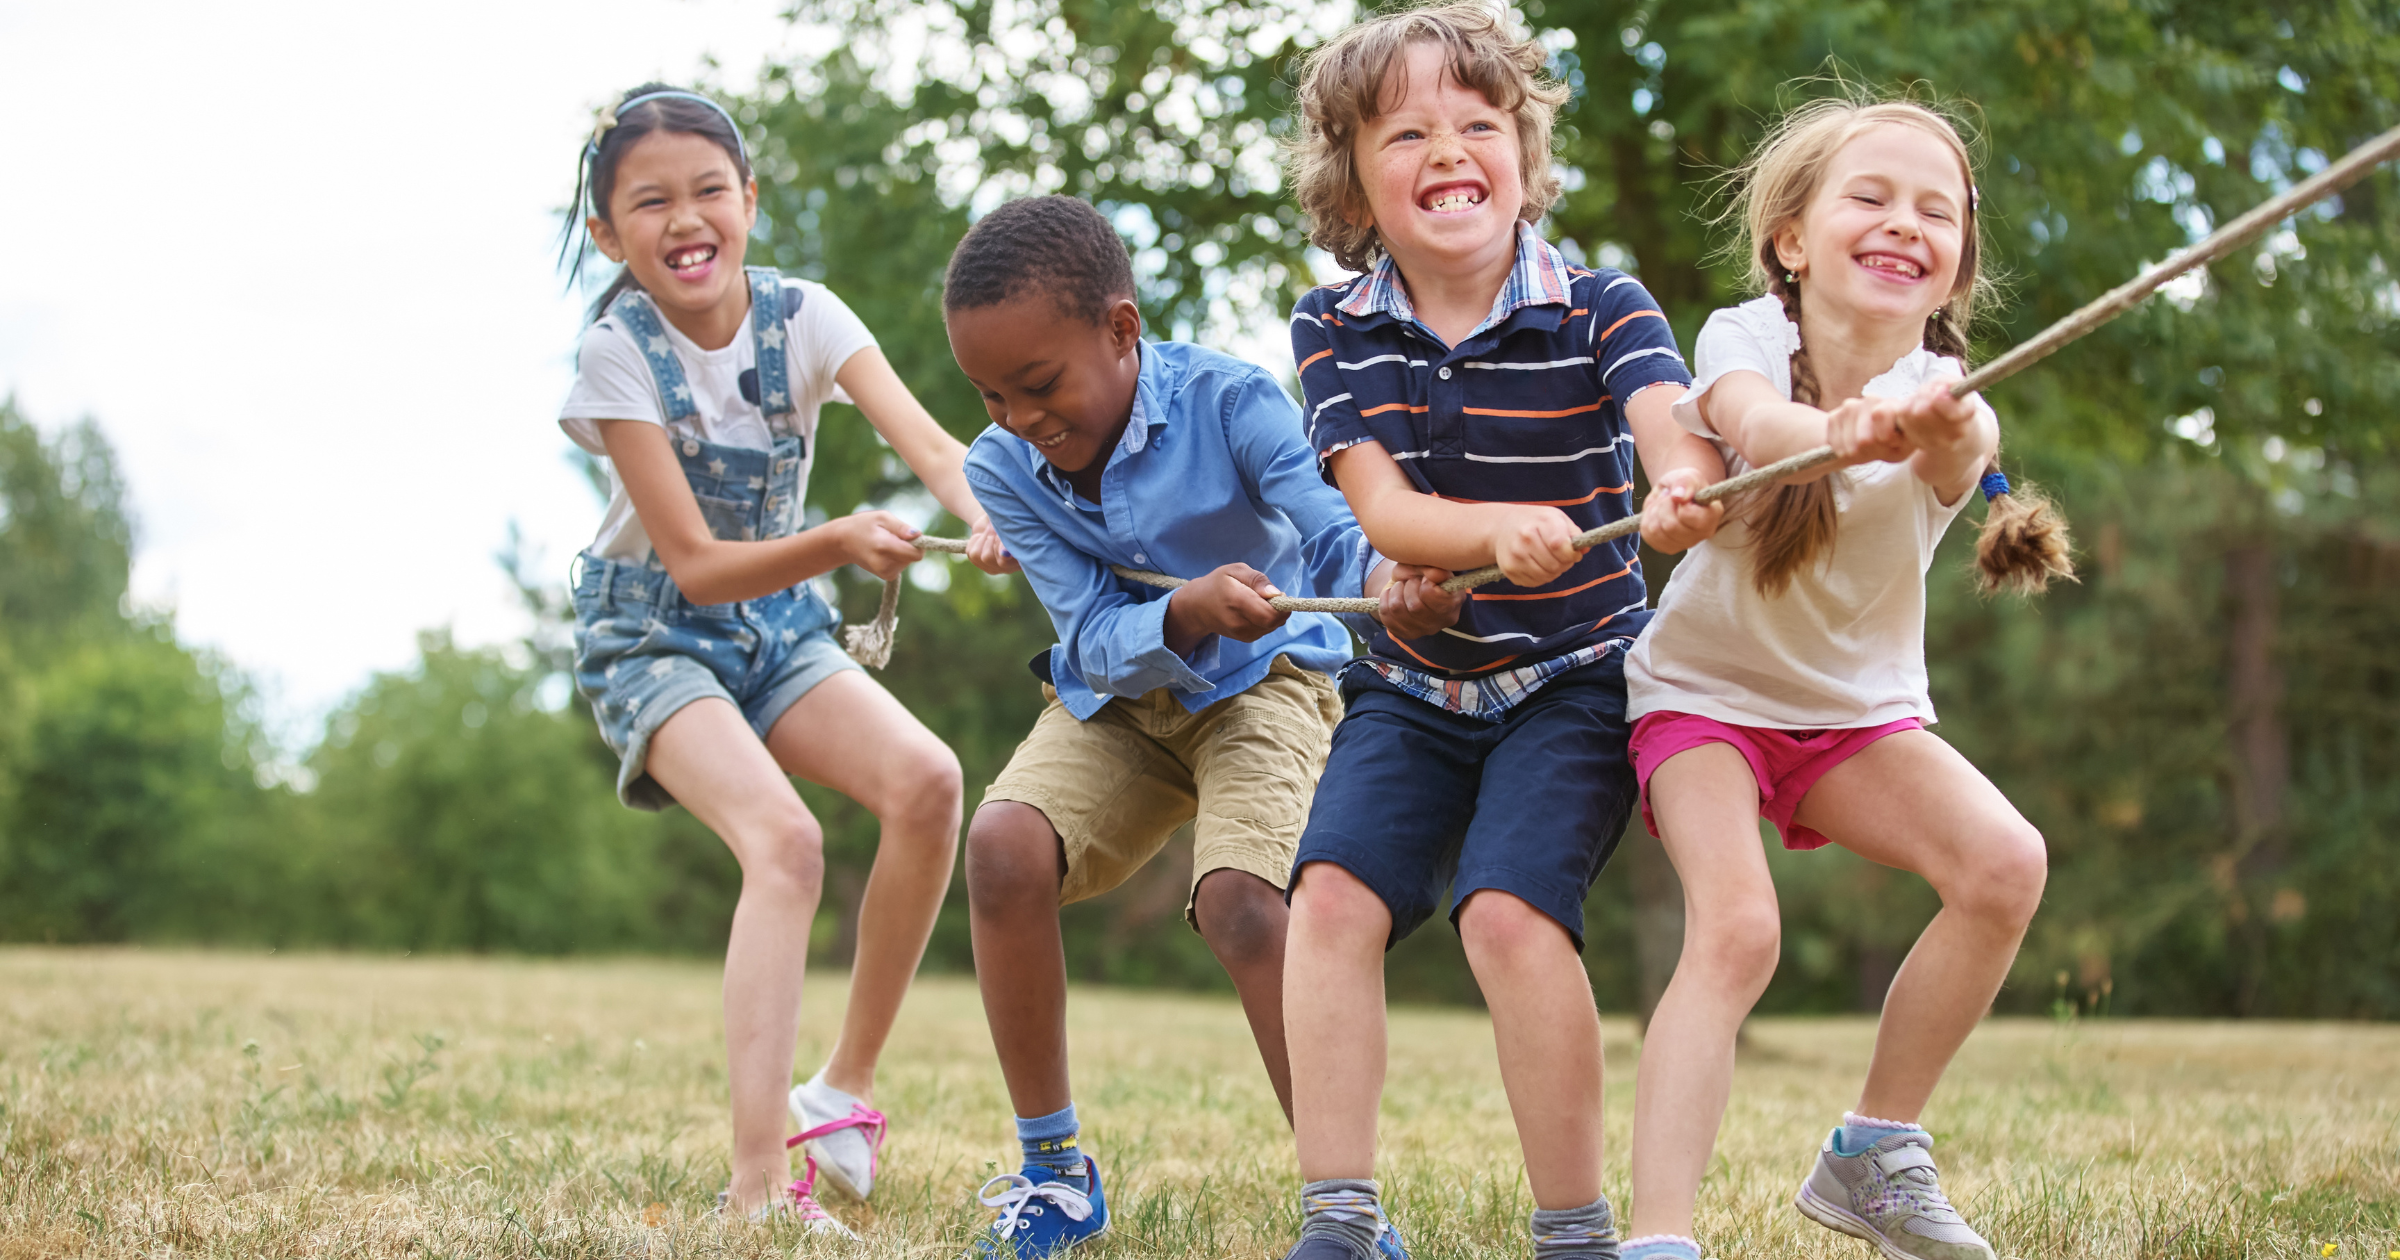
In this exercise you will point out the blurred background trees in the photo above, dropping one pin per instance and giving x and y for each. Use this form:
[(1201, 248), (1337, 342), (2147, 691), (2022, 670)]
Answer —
[(2204, 727)]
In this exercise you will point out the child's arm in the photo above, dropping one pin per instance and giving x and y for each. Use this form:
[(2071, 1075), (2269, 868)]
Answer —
[(710, 570), (1753, 416), (1531, 544), (1678, 463), (938, 459), (1954, 438)]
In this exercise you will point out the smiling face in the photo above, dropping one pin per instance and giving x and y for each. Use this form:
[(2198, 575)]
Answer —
[(1882, 236), (679, 217), (1063, 383), (1441, 172)]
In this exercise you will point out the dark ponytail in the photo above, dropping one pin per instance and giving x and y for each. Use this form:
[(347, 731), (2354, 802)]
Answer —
[(615, 135)]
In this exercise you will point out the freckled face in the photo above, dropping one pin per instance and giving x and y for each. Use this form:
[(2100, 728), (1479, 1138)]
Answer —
[(679, 218), (1883, 236), (1062, 383), (1440, 169)]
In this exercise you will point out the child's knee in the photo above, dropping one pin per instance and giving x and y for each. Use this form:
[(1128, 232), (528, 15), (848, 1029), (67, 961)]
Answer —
[(784, 853), (1736, 945), (1012, 852), (1499, 927), (1335, 902), (1241, 916), (2005, 881), (924, 790)]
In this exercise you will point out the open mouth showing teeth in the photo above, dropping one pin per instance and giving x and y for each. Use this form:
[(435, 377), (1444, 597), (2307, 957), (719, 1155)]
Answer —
[(1453, 200), (1901, 267), (1052, 442), (692, 258)]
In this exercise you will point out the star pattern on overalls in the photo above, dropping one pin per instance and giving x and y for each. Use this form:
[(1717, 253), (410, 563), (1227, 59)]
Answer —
[(771, 337), (660, 345), (716, 468), (775, 400)]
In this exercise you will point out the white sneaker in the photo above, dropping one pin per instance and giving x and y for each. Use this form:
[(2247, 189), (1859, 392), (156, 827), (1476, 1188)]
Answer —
[(843, 1134), (1889, 1195), (799, 1200)]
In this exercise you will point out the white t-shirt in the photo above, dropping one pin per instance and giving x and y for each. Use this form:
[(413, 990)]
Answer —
[(613, 383), (1844, 645)]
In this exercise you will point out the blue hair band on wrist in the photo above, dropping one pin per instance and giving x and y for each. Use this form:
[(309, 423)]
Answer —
[(1995, 484)]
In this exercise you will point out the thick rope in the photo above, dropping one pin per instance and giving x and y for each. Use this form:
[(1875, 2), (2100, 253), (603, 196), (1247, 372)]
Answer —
[(872, 644)]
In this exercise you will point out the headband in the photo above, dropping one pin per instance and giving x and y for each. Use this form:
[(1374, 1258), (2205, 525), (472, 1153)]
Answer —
[(609, 115)]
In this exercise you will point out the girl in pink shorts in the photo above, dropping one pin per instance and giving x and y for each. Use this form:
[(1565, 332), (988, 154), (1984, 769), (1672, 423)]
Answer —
[(1784, 674)]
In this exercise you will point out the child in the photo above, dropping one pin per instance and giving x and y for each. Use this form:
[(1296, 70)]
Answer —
[(1473, 395), (1784, 673), (1164, 707), (707, 656)]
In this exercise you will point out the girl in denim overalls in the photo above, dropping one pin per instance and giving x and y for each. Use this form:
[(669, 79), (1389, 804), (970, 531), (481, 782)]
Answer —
[(704, 650)]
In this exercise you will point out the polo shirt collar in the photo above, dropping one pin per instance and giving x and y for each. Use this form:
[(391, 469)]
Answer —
[(1540, 277), (1141, 431)]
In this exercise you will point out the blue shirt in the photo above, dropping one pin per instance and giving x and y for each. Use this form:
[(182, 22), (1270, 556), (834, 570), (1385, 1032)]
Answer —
[(1213, 468), (1527, 408)]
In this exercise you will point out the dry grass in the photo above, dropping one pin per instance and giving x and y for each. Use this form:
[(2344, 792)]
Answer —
[(239, 1105)]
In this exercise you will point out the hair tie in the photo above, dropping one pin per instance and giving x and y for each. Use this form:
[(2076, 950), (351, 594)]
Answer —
[(1995, 484)]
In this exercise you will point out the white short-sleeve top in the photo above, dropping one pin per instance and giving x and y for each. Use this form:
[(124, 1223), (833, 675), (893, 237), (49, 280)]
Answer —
[(1844, 645), (613, 383)]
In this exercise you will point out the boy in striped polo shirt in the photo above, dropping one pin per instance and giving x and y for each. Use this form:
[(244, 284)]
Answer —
[(1478, 400)]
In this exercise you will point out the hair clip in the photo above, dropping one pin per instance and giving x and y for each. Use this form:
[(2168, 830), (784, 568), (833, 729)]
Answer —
[(607, 120)]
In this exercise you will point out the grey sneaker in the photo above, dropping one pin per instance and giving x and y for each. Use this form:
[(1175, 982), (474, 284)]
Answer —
[(1890, 1195)]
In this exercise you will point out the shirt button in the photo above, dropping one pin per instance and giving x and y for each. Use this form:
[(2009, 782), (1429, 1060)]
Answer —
[(1139, 558), (1444, 374)]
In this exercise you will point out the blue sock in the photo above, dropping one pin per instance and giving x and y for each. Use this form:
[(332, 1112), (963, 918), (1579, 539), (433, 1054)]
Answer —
[(1860, 1132), (1050, 1141)]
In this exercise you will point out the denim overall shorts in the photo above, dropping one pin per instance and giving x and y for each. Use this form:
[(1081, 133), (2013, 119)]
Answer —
[(643, 651)]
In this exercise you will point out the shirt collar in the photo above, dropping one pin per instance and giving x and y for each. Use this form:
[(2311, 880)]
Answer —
[(1540, 277), (1141, 430)]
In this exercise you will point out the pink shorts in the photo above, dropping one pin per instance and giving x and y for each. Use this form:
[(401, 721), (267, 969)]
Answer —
[(1787, 763)]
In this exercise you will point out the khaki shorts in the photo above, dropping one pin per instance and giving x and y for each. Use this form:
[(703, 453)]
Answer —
[(1117, 785)]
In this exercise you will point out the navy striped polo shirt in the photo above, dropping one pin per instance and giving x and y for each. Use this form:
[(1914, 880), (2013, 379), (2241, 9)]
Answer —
[(1527, 409)]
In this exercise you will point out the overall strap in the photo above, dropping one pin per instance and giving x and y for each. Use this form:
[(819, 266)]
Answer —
[(633, 311), (768, 311)]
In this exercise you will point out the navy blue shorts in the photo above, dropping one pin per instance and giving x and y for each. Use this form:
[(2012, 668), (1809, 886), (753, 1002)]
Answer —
[(1416, 798)]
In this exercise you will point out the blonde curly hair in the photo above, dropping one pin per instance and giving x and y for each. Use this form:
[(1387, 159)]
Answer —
[(1342, 88)]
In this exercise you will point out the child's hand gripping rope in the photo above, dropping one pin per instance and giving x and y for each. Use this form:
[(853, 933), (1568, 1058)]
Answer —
[(872, 644)]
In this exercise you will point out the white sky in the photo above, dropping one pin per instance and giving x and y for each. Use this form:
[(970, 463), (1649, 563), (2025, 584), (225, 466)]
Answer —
[(296, 259)]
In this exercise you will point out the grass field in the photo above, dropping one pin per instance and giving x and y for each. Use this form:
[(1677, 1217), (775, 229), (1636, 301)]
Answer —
[(242, 1105)]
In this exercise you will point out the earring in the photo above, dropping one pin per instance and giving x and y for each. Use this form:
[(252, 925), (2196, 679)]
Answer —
[(1790, 277), (1937, 314)]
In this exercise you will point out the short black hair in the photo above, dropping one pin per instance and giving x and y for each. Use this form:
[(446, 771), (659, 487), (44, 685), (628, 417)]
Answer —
[(1056, 245)]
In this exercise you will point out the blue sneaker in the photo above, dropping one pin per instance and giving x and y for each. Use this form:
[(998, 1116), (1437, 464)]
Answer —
[(1388, 1246), (1039, 1214)]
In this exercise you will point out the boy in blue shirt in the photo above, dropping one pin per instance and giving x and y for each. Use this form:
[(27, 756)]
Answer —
[(1203, 703), (1478, 400)]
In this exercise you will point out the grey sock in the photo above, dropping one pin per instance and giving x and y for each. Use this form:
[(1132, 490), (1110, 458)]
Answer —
[(1585, 1233), (1345, 1206)]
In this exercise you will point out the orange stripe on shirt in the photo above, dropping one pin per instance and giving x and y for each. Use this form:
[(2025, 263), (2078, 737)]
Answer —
[(1563, 594), (1546, 502), (1321, 354), (1413, 652), (1377, 411), (1532, 415), (1612, 328)]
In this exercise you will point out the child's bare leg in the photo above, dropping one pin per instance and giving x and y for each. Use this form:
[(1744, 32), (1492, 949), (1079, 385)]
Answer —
[(1015, 866), (1910, 801), (1244, 921), (1335, 1025), (849, 734), (1548, 1035), (712, 762), (1706, 803)]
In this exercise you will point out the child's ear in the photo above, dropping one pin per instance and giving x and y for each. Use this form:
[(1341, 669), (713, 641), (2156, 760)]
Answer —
[(1788, 249), (750, 203), (605, 238), (1124, 326)]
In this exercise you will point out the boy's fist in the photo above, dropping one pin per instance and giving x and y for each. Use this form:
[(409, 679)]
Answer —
[(985, 549), (1231, 601), (1414, 603), (1533, 545), (1671, 521)]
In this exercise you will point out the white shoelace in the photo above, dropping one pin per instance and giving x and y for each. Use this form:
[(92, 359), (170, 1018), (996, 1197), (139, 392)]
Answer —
[(1016, 1201)]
